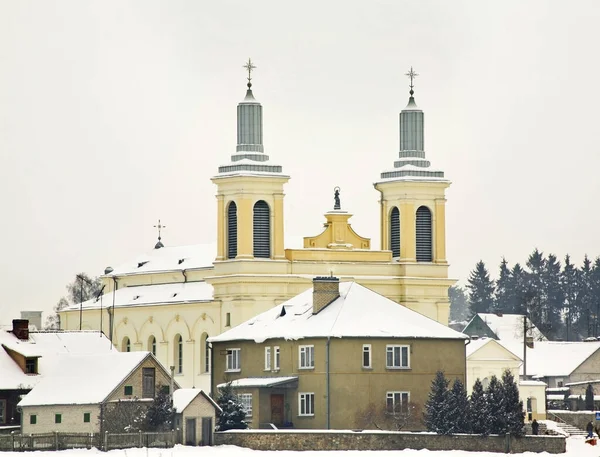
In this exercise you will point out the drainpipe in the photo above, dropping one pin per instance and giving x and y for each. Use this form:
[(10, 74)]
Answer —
[(328, 405), (381, 216), (112, 315), (212, 372), (172, 382), (467, 342)]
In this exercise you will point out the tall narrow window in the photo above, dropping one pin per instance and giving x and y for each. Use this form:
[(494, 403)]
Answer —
[(395, 232), (152, 345), (148, 382), (366, 356), (232, 231), (179, 353), (232, 361), (262, 230), (126, 346), (276, 358), (267, 358), (424, 236)]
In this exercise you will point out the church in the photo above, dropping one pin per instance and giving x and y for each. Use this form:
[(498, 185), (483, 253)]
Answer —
[(171, 299)]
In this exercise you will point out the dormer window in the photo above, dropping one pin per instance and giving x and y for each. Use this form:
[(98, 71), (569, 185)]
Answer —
[(135, 297), (180, 261), (31, 365), (141, 264)]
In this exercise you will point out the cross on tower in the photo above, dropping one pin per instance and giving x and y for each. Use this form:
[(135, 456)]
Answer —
[(159, 226), (249, 67), (412, 75)]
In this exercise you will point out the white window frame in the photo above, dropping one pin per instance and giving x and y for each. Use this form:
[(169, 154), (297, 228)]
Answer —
[(397, 364), (276, 357), (268, 358), (366, 349), (306, 352), (305, 405), (232, 360), (392, 395), (246, 401)]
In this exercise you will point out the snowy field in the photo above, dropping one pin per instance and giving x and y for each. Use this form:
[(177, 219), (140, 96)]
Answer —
[(576, 447)]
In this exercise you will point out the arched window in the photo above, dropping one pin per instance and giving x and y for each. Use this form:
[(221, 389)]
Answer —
[(395, 232), (232, 231), (126, 347), (205, 351), (424, 246), (179, 354), (262, 230), (152, 345)]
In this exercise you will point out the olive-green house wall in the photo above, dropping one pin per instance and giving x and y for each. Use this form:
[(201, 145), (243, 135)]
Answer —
[(352, 388)]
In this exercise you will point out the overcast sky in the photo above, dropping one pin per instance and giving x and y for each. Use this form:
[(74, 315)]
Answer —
[(116, 113)]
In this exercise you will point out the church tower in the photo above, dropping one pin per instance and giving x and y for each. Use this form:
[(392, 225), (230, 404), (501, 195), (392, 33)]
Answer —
[(250, 191), (413, 199)]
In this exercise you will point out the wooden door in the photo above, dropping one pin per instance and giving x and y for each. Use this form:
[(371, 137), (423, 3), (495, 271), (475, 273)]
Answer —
[(207, 431), (277, 409), (190, 431)]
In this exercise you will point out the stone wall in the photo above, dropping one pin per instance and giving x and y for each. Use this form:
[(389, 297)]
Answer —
[(578, 419), (302, 440)]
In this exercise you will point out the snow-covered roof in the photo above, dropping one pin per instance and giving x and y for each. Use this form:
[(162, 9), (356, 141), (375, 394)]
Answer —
[(183, 397), (477, 344), (532, 383), (509, 327), (48, 346), (358, 312), (84, 379), (554, 358), (175, 258), (153, 294), (580, 383), (271, 381)]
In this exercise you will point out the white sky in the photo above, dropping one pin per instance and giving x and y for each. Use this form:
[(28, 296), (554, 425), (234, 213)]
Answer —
[(116, 113)]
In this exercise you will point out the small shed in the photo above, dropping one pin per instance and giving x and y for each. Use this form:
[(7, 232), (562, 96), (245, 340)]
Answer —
[(195, 416)]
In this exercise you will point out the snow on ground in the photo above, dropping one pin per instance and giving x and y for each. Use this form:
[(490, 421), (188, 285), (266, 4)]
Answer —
[(576, 447)]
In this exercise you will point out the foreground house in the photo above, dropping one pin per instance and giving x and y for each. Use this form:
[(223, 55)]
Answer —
[(27, 356), (72, 397), (334, 355), (195, 416)]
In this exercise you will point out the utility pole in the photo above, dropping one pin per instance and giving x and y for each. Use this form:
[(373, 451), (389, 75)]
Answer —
[(525, 346)]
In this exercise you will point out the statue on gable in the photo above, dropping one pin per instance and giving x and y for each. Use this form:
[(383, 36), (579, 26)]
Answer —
[(336, 197)]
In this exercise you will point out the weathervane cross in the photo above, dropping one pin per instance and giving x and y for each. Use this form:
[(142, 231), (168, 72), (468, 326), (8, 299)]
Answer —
[(412, 75), (159, 227), (249, 67)]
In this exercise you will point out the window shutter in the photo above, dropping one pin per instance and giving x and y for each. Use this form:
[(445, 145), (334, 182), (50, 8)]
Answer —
[(262, 230), (395, 232), (424, 246), (232, 231)]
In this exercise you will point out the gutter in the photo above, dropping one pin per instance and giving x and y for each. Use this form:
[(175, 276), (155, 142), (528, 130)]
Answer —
[(327, 384)]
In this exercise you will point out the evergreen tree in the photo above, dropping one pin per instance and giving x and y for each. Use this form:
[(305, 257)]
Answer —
[(523, 292), (479, 411), (589, 398), (435, 415), (585, 299), (494, 394), (458, 409), (505, 291), (233, 414), (481, 290), (512, 411), (595, 294), (537, 297), (552, 326), (570, 286), (459, 307), (160, 413)]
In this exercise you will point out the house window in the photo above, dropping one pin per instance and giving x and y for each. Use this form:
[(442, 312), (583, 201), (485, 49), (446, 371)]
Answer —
[(395, 232), (307, 357), (2, 411), (152, 345), (276, 358), (32, 419), (148, 382), (397, 356), (128, 390), (179, 353), (559, 383), (306, 404), (57, 418), (246, 401), (268, 358), (233, 360), (126, 346), (366, 356), (86, 417), (228, 320), (31, 365), (397, 402)]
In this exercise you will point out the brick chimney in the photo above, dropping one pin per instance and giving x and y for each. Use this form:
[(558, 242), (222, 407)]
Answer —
[(325, 290), (21, 328)]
